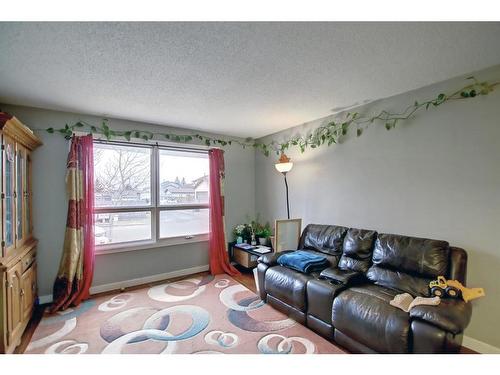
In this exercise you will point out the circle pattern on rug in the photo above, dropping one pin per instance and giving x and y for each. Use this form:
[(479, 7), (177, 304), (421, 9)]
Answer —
[(116, 302), (113, 327), (238, 311), (67, 347), (222, 339), (159, 292), (199, 316), (283, 345)]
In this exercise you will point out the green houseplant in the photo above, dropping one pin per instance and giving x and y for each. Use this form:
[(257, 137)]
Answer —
[(244, 231), (263, 233)]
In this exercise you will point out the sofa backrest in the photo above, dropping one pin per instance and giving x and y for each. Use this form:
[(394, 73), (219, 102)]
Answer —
[(357, 250), (408, 263), (392, 260), (327, 239), (457, 265)]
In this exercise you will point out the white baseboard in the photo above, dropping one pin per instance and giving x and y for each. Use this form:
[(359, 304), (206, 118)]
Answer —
[(135, 282), (479, 346), (45, 299), (147, 279)]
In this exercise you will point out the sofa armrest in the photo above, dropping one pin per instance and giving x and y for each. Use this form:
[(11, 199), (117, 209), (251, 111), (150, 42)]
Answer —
[(452, 315), (271, 259), (342, 277)]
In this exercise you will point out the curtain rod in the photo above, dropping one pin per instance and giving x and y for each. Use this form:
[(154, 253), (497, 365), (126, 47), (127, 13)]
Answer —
[(151, 143)]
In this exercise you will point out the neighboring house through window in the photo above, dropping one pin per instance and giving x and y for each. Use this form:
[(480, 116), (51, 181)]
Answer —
[(149, 195)]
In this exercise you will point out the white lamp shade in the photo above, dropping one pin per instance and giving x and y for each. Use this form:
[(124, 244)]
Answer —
[(284, 167)]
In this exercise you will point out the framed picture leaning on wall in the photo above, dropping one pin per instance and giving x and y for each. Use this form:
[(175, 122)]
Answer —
[(287, 234)]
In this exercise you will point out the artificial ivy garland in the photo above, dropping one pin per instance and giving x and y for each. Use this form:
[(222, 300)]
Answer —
[(329, 134)]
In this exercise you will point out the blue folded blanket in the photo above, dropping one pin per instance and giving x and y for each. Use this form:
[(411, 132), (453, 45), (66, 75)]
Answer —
[(303, 261)]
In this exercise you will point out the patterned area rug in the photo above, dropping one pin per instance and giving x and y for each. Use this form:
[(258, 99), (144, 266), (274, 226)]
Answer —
[(195, 315)]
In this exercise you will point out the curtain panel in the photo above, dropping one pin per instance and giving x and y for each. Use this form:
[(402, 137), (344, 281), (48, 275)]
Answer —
[(218, 257), (76, 267)]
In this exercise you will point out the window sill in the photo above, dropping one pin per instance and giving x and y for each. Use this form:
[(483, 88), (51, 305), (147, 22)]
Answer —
[(150, 244)]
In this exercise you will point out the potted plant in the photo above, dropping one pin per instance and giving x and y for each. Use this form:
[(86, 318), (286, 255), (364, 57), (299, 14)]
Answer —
[(242, 233), (263, 233)]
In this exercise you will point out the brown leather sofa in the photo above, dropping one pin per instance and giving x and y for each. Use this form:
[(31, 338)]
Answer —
[(348, 302)]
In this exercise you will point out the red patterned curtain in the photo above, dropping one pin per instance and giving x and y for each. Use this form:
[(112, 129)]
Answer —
[(76, 268), (219, 260)]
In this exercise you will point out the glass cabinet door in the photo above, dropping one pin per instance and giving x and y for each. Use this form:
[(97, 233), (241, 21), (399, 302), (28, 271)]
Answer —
[(27, 195), (9, 183), (19, 193)]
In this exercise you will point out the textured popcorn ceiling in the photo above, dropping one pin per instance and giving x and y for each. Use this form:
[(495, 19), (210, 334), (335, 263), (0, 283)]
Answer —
[(244, 79)]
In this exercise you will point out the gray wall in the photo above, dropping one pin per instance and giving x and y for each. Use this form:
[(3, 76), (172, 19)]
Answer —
[(50, 205), (436, 176)]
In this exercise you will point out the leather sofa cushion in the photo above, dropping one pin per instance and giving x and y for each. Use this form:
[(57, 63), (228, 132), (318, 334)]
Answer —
[(356, 265), (341, 276), (327, 239), (416, 286), (320, 295), (364, 314), (358, 243), (357, 250), (452, 315), (287, 285), (379, 292), (420, 256)]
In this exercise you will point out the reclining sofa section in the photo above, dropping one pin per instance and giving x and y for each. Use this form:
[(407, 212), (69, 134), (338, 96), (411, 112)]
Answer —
[(348, 302)]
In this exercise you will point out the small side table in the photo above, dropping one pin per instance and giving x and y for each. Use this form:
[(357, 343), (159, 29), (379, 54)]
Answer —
[(243, 257)]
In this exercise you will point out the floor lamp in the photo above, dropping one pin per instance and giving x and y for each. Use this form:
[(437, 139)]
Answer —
[(284, 165)]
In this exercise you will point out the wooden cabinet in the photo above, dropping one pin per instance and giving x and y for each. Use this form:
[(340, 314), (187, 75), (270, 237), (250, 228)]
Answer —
[(14, 303), (18, 269), (28, 291)]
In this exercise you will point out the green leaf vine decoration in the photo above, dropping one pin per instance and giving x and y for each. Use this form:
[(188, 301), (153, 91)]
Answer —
[(331, 133)]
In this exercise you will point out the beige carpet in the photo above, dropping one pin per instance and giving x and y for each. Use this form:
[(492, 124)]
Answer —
[(195, 315)]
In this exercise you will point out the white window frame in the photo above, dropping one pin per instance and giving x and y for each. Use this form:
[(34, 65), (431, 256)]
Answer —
[(154, 208)]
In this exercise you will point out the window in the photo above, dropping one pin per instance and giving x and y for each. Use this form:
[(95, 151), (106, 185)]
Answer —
[(147, 194)]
